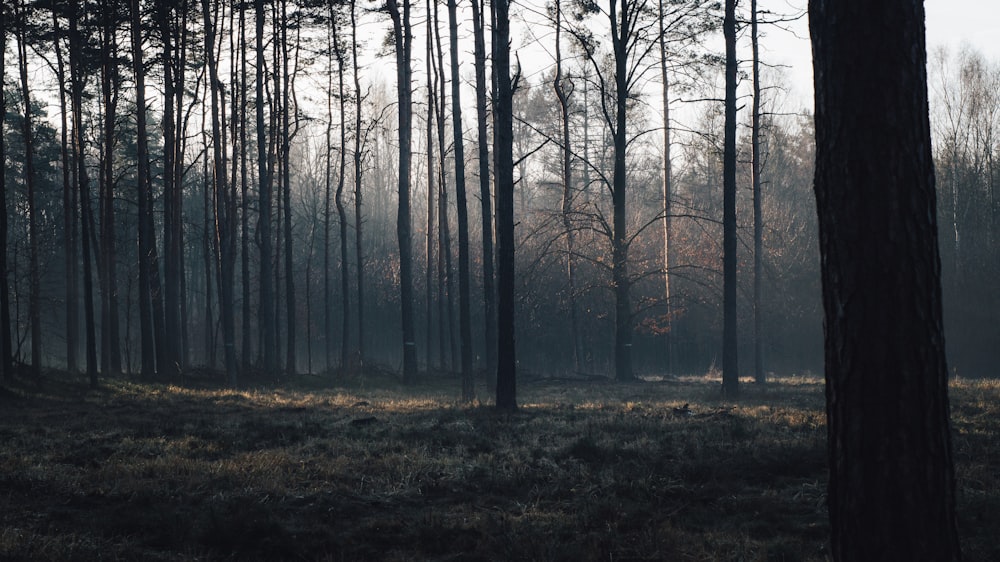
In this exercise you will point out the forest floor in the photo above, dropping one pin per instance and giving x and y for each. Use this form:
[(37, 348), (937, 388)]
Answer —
[(365, 469)]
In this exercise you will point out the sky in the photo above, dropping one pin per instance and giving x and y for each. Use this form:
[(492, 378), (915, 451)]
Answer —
[(949, 23)]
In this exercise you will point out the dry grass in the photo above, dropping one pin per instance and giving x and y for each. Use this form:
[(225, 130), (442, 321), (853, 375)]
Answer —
[(585, 471)]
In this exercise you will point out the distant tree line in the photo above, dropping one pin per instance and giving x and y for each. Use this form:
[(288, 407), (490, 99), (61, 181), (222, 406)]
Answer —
[(280, 206)]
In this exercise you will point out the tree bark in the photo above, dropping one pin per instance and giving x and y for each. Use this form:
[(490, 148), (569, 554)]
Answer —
[(503, 115), (758, 217), (485, 196), (69, 206), (730, 366), (224, 207), (34, 296), (82, 190), (464, 298), (358, 170), (6, 353), (892, 484), (111, 361), (266, 317), (403, 37)]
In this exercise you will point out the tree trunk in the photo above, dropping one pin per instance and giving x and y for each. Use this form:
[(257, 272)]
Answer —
[(485, 197), (503, 115), (34, 297), (431, 206), (464, 312), (358, 170), (443, 220), (111, 361), (667, 191), (622, 34), (76, 103), (892, 484), (264, 236), (758, 217), (286, 177), (730, 367), (345, 298), (69, 207), (245, 331), (173, 267), (403, 37), (6, 354), (224, 206), (144, 192)]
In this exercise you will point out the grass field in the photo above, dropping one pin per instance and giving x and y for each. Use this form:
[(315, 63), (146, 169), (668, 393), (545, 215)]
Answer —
[(368, 470)]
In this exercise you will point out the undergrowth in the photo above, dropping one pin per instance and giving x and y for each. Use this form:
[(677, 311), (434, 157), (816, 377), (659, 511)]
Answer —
[(369, 470)]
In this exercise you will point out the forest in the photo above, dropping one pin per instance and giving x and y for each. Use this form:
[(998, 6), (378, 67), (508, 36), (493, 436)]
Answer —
[(231, 228)]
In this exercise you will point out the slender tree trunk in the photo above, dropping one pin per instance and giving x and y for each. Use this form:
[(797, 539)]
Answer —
[(173, 267), (69, 208), (286, 147), (485, 196), (111, 360), (403, 37), (503, 116), (621, 33), (328, 199), (148, 344), (443, 220), (567, 197), (667, 192), (358, 170), (345, 298), (268, 343), (245, 347), (892, 480), (431, 206), (6, 354), (34, 297), (464, 297), (730, 367), (758, 218), (76, 101), (225, 226)]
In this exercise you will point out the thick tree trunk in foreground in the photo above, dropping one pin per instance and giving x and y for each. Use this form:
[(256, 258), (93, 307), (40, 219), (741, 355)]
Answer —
[(892, 485)]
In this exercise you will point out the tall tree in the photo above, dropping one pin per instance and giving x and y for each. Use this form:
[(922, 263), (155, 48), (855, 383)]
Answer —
[(892, 483), (758, 217), (224, 205), (667, 183), (69, 202), (173, 263), (358, 171), (563, 93), (345, 270), (464, 298), (6, 352), (730, 367), (34, 274), (431, 209), (286, 178), (485, 195), (503, 147), (111, 361), (83, 189), (402, 36), (266, 317), (144, 191)]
